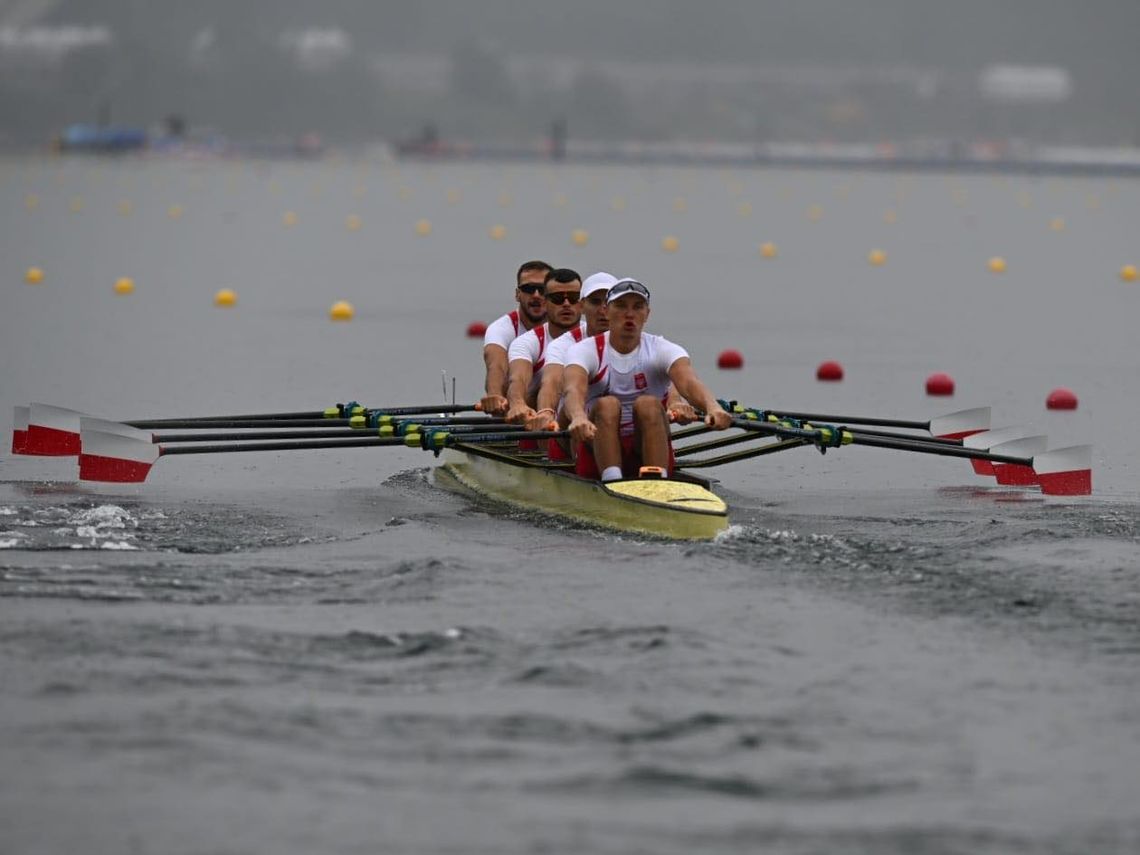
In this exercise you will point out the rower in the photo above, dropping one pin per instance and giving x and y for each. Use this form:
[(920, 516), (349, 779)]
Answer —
[(615, 387), (497, 340), (593, 304), (563, 288)]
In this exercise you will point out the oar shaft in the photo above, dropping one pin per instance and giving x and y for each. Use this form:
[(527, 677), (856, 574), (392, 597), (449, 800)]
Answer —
[(851, 420), (226, 421), (927, 447), (285, 445), (260, 424), (261, 435)]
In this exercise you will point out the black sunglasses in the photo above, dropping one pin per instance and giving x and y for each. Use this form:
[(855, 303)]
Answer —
[(560, 297), (531, 288), (627, 286)]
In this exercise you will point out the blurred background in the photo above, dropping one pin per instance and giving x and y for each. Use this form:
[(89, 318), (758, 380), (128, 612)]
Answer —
[(937, 78)]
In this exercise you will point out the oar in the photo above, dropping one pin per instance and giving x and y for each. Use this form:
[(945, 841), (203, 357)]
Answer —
[(43, 429), (128, 454), (950, 426), (339, 411), (771, 448), (1065, 471)]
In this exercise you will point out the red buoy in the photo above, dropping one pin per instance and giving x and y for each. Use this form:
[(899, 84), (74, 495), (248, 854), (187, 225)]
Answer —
[(939, 384), (476, 329), (730, 359), (830, 371), (1061, 399)]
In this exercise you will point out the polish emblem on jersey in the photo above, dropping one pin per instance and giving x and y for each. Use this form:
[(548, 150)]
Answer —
[(639, 381)]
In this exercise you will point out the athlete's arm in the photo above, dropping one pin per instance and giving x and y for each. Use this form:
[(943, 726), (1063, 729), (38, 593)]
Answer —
[(521, 372), (697, 393), (549, 392), (494, 402), (574, 403)]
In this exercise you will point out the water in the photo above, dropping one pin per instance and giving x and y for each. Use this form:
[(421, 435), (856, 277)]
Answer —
[(326, 652)]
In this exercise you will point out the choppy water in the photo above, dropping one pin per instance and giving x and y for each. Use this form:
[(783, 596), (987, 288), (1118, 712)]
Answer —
[(300, 653)]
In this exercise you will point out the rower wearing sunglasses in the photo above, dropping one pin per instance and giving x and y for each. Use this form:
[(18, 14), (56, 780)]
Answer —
[(528, 353), (615, 387), (529, 294)]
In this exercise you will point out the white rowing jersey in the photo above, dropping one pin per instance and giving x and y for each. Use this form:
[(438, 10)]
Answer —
[(535, 346), (626, 376), (504, 330)]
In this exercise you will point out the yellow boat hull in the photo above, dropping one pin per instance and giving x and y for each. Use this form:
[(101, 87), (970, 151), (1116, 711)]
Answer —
[(673, 508)]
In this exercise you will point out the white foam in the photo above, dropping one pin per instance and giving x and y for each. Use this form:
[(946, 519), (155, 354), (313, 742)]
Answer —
[(120, 545), (9, 542)]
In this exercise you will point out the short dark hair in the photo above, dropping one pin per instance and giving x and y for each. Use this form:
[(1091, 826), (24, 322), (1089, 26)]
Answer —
[(562, 275), (531, 265)]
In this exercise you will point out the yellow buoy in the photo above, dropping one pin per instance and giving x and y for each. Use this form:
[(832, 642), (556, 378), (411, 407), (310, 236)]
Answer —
[(498, 232), (877, 257), (1057, 224), (581, 237), (225, 298), (352, 223), (997, 264), (670, 244), (174, 212), (1128, 273), (341, 310), (815, 213), (124, 285), (289, 218), (423, 227), (744, 209), (768, 250), (31, 201), (34, 276)]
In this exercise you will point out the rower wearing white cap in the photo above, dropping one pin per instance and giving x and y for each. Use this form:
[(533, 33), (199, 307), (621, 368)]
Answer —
[(527, 353), (616, 385), (497, 340)]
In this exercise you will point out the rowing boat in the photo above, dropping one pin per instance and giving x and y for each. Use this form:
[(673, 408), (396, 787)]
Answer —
[(680, 508)]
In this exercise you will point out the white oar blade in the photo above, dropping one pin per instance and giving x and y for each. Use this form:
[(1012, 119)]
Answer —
[(1014, 474), (90, 423), (52, 431), (115, 457), (1065, 471), (987, 439), (19, 429), (961, 424)]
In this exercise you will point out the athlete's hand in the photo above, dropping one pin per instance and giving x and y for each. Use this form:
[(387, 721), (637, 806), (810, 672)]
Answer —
[(518, 414), (494, 405), (681, 412), (717, 418), (582, 429), (542, 420)]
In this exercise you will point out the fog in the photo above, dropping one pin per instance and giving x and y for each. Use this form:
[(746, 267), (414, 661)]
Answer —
[(732, 70)]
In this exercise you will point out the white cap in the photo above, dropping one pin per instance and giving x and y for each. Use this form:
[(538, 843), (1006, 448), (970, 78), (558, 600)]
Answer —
[(597, 282)]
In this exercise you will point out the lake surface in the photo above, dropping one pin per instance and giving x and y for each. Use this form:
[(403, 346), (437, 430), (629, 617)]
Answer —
[(325, 652)]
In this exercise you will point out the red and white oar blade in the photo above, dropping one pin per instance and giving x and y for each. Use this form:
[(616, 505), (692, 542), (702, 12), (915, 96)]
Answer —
[(115, 457), (52, 431), (19, 429), (1065, 471), (987, 439), (1015, 474), (961, 424)]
